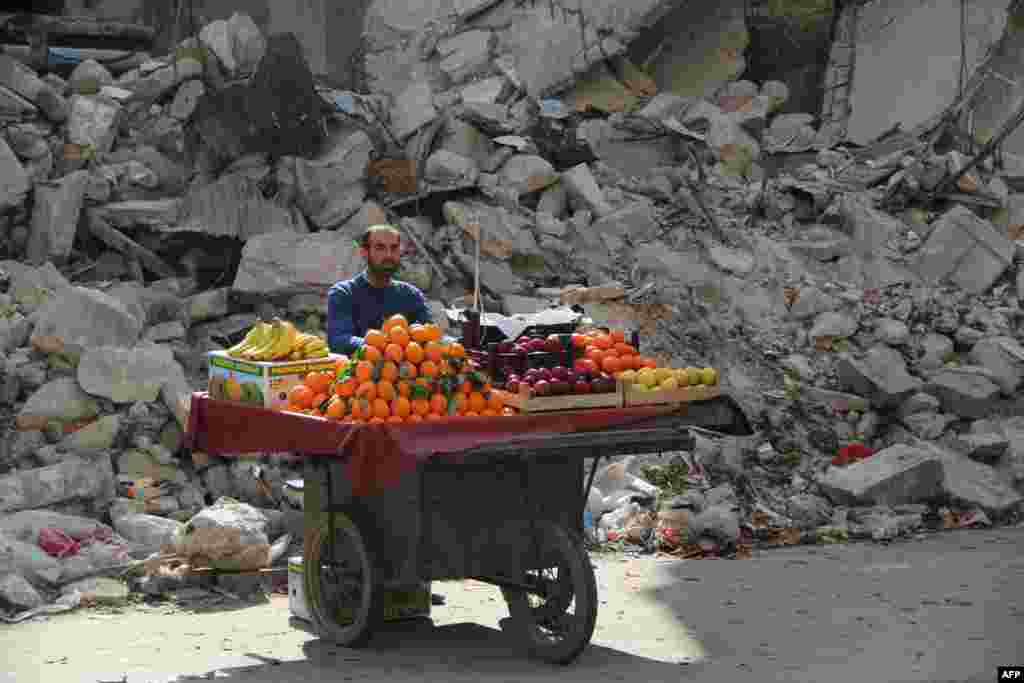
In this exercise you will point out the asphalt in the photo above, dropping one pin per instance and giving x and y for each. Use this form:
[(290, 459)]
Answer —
[(946, 607)]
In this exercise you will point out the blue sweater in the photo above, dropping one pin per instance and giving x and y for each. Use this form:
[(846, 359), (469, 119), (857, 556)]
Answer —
[(355, 306)]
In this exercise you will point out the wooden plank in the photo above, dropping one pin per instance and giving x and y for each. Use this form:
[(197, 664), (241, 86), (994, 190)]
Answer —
[(524, 403), (114, 239), (254, 572), (700, 392)]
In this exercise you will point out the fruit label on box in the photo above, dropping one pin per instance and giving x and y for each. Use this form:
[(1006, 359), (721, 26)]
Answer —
[(232, 380)]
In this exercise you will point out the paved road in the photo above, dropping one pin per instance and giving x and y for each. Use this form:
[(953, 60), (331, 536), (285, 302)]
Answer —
[(946, 608)]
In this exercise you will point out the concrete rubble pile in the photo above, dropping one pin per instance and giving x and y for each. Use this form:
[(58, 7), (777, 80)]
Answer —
[(873, 338)]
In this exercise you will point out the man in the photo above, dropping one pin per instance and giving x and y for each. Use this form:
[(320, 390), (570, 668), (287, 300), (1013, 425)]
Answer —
[(371, 297)]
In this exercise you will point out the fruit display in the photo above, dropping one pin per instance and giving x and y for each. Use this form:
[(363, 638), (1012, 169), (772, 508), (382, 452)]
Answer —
[(662, 379), (278, 340), (608, 351), (561, 381), (402, 374)]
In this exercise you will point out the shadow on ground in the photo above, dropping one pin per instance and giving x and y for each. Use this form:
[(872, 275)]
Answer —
[(419, 651)]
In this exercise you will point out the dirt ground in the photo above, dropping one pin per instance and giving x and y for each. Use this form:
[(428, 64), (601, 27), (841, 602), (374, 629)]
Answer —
[(948, 607)]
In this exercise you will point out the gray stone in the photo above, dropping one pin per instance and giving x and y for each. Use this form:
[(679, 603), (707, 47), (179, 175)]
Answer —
[(504, 232), (465, 140), (966, 394), (81, 318), (16, 591), (59, 399), (126, 375), (447, 168), (881, 376), (73, 478), (186, 98), (965, 250), (1004, 357), (928, 425), (465, 54), (496, 275), (985, 448), (731, 260), (936, 348), (833, 324), (93, 122), (486, 91), (55, 218), (330, 188), (581, 186), (413, 108), (527, 173), (14, 180), (869, 227), (162, 332), (893, 476), (148, 533), (809, 511), (892, 332), (23, 81), (14, 332), (971, 483), (89, 76), (554, 200), (549, 225), (719, 522), (135, 462), (635, 221), (811, 303), (94, 437), (919, 403), (527, 305), (616, 148), (659, 259)]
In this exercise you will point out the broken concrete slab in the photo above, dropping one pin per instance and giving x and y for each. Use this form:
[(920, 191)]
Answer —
[(126, 375), (615, 147), (484, 91), (413, 108), (581, 186), (331, 188), (92, 122), (496, 275), (869, 228), (505, 233), (14, 180), (95, 437), (81, 318), (448, 168), (966, 250), (1004, 357), (833, 324), (881, 376), (23, 81), (936, 349), (985, 448), (736, 261), (14, 106), (466, 140), (636, 221), (465, 54), (893, 476), (232, 206), (659, 259), (55, 218), (294, 264), (963, 392), (928, 425), (971, 483), (186, 99), (527, 173), (159, 214), (209, 305)]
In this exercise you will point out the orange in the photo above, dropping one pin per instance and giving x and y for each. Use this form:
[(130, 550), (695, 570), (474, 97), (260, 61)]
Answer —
[(414, 352), (376, 421), (433, 351), (376, 338), (364, 371), (494, 401), (618, 336), (433, 417), (345, 388), (420, 406), (428, 369), (389, 370), (595, 354), (490, 413), (341, 362), (456, 350), (301, 396), (397, 320), (623, 349), (367, 390), (419, 333), (335, 409), (407, 370), (438, 404), (477, 402), (404, 388), (466, 387), (381, 408), (316, 381), (610, 364), (425, 383), (400, 336), (637, 361), (471, 413), (414, 418), (461, 403), (318, 401), (394, 419), (433, 332), (386, 390), (508, 411), (603, 341), (401, 407), (361, 409), (578, 341), (648, 362), (393, 352), (373, 354)]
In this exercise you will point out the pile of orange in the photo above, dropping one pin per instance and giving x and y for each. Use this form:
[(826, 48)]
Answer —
[(608, 351), (395, 378)]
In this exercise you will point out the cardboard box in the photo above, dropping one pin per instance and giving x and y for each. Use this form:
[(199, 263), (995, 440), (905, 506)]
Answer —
[(259, 383)]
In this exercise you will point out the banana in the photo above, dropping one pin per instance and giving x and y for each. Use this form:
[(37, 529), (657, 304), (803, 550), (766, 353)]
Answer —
[(261, 331), (286, 342), (251, 338), (318, 353), (263, 352)]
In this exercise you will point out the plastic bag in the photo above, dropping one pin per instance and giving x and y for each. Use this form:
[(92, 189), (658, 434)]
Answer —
[(57, 544)]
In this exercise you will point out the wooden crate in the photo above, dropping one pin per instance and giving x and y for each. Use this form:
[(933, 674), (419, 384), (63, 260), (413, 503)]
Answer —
[(699, 392), (524, 403)]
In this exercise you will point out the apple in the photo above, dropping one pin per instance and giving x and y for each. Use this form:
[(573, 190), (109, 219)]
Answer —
[(559, 372), (520, 349), (545, 374), (536, 345), (571, 377), (513, 377), (506, 347), (552, 343), (542, 388), (581, 387)]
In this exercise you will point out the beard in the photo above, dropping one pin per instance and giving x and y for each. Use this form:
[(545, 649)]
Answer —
[(387, 269)]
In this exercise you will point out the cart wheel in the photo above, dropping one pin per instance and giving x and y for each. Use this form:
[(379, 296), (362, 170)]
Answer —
[(558, 615), (350, 582)]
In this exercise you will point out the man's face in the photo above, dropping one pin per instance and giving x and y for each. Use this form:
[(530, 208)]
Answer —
[(384, 254)]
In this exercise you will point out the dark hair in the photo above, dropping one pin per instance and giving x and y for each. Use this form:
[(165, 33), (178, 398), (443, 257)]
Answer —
[(364, 240)]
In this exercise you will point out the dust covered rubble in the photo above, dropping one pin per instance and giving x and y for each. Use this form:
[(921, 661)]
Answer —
[(145, 224)]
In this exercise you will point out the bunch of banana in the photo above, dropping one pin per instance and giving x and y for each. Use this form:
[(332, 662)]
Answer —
[(275, 343), (308, 346)]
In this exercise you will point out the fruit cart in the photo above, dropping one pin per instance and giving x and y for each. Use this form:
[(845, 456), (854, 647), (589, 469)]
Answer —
[(501, 500)]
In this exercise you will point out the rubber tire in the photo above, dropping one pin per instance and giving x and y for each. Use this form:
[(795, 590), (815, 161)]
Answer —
[(574, 556), (370, 613)]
